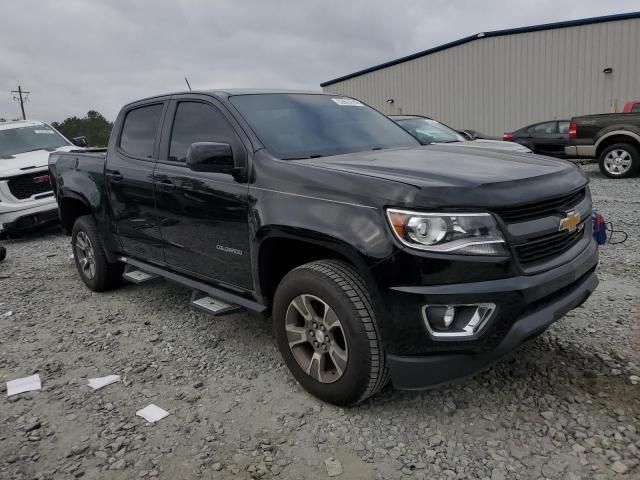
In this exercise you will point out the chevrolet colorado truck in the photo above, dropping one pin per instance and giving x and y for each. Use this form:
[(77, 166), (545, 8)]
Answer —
[(26, 199), (612, 138), (378, 259)]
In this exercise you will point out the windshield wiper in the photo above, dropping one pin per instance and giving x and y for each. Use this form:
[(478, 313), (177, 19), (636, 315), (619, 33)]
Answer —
[(313, 155)]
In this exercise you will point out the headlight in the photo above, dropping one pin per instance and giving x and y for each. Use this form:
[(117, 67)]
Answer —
[(462, 233)]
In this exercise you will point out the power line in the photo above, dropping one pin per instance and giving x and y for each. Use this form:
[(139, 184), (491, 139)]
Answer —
[(21, 97)]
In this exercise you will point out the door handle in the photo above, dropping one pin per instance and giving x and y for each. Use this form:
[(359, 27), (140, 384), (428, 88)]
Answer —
[(168, 184), (115, 175)]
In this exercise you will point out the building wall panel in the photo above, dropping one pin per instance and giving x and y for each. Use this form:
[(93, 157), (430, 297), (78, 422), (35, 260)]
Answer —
[(498, 84)]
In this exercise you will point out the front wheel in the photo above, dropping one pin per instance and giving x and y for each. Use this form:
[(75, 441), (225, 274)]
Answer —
[(619, 161), (326, 331), (91, 261)]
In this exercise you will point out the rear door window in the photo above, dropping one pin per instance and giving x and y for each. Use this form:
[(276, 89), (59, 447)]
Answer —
[(544, 128), (140, 129), (563, 127)]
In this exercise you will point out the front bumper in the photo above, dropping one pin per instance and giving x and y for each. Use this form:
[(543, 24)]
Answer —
[(533, 303), (27, 219)]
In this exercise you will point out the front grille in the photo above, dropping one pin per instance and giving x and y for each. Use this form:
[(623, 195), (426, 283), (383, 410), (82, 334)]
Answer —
[(545, 208), (542, 248), (25, 186)]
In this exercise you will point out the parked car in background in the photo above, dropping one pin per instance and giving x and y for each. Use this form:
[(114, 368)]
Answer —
[(613, 138), (26, 199), (544, 138), (427, 130), (632, 107), (379, 259)]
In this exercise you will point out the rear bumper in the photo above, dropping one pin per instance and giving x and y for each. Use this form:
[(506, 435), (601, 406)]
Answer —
[(544, 298), (582, 151)]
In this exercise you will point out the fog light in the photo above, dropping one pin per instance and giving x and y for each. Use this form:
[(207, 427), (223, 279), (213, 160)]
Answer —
[(457, 322), (449, 316)]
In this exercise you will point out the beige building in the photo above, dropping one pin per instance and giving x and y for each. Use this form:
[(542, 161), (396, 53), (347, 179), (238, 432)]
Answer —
[(500, 81)]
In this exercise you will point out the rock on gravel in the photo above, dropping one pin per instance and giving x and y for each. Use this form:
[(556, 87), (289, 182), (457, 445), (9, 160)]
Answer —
[(563, 407), (334, 467)]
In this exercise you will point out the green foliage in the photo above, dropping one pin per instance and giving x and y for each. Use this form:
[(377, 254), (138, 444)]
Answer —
[(93, 126)]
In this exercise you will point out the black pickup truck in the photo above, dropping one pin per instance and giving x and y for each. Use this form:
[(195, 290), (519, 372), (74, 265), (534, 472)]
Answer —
[(377, 258), (612, 138)]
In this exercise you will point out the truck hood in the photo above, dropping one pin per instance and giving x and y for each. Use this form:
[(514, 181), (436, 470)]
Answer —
[(448, 175), (21, 163), (492, 145)]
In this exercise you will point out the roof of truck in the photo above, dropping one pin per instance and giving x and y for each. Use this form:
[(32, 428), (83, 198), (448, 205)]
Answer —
[(228, 92)]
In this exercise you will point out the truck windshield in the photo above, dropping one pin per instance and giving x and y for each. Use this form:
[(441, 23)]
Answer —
[(28, 139), (295, 126), (429, 131)]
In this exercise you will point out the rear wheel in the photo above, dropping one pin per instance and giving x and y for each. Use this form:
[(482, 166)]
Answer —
[(326, 331), (619, 161), (96, 272)]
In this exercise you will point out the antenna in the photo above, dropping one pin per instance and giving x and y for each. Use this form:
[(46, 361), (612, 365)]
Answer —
[(185, 79)]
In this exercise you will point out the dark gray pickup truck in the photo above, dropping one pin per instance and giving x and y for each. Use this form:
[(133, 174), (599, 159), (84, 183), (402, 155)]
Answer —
[(378, 259), (612, 138)]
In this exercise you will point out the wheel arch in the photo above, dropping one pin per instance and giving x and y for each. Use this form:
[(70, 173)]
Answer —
[(72, 205), (617, 136), (281, 250)]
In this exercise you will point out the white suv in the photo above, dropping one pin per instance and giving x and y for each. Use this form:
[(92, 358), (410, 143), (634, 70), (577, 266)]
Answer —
[(26, 199)]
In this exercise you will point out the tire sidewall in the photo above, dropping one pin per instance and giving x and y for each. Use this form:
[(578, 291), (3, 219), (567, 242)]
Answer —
[(355, 378), (635, 160)]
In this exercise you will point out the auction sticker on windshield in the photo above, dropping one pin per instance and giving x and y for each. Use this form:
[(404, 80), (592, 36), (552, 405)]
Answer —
[(347, 102), (50, 132)]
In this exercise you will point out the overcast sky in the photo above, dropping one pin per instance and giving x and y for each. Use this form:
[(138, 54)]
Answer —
[(77, 55)]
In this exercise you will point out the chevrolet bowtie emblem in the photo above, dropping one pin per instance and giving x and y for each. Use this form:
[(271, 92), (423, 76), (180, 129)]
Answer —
[(570, 222)]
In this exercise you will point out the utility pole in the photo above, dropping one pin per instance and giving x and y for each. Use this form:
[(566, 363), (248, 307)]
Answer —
[(20, 98)]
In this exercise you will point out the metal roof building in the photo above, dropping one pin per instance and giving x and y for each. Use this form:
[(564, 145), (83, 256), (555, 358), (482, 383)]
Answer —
[(502, 80)]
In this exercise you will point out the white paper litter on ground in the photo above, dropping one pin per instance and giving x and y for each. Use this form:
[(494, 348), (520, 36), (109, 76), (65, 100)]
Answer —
[(152, 413), (21, 385), (8, 314), (97, 383)]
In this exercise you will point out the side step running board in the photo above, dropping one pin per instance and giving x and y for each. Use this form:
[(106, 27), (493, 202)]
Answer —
[(213, 306), (205, 297), (133, 275)]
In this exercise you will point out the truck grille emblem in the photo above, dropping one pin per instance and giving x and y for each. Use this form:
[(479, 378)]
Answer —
[(41, 179), (570, 222)]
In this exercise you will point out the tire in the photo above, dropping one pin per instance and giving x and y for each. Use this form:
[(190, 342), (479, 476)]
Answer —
[(620, 160), (96, 273), (354, 365), (3, 253)]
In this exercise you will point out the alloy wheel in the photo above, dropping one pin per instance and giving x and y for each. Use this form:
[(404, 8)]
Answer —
[(617, 162), (316, 338), (85, 255)]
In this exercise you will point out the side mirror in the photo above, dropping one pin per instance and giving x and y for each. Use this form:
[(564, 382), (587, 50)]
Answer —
[(211, 157), (469, 135), (80, 142)]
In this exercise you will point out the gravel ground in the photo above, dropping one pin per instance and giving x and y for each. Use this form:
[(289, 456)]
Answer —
[(567, 406)]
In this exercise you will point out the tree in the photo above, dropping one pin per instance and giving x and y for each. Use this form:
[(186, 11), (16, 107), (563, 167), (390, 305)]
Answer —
[(93, 126)]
